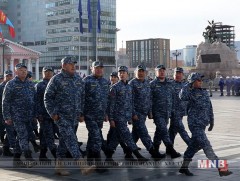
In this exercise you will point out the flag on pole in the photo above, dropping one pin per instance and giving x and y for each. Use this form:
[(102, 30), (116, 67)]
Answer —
[(99, 16), (80, 16), (89, 16), (5, 20)]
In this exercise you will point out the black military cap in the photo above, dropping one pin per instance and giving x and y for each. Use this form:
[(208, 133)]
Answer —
[(194, 76), (122, 68), (8, 72), (178, 69), (141, 67), (97, 64), (20, 65), (114, 74), (29, 74), (160, 67), (68, 59), (47, 68)]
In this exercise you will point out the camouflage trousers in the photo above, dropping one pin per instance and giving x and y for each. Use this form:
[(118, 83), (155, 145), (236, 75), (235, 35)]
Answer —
[(67, 139), (139, 130), (46, 134), (161, 133), (176, 126), (199, 141)]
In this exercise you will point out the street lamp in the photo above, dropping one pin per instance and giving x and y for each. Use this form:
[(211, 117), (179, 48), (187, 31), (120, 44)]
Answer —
[(116, 54), (176, 54)]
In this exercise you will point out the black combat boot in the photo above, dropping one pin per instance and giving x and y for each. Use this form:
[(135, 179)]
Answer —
[(90, 158), (17, 162), (6, 151), (140, 158), (109, 160), (43, 156), (156, 155), (98, 162), (172, 152), (128, 155), (54, 153), (224, 171), (36, 147), (184, 168), (28, 156)]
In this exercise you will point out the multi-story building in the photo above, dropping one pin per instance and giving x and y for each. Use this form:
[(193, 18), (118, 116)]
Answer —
[(64, 38), (29, 21), (149, 52), (52, 27), (189, 55)]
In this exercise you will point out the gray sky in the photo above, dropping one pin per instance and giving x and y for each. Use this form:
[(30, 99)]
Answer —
[(181, 21)]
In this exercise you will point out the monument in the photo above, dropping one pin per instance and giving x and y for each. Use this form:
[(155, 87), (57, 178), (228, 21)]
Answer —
[(214, 55)]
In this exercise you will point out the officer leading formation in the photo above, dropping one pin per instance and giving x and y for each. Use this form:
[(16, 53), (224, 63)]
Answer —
[(65, 99)]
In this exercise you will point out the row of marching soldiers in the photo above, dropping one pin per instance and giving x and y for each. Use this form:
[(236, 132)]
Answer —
[(67, 99)]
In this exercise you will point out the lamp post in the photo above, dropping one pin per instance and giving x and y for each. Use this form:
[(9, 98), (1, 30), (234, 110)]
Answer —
[(116, 55), (176, 54)]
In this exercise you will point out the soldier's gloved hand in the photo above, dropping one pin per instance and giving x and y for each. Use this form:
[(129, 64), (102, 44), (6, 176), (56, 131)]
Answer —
[(210, 127)]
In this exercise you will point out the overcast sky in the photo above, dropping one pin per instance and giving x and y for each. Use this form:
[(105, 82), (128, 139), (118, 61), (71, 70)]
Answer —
[(181, 21)]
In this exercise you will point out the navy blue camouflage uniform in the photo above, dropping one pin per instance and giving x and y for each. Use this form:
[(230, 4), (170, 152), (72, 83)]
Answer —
[(19, 98), (45, 121), (142, 107), (10, 140), (95, 110), (121, 111), (64, 96), (200, 115), (180, 107), (162, 107)]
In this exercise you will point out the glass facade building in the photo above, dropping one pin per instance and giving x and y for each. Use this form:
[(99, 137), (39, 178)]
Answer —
[(189, 55), (64, 38), (52, 27)]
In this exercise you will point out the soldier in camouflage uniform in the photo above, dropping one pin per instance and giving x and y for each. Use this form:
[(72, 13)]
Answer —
[(180, 107), (95, 110), (121, 111), (162, 107), (64, 102), (10, 140), (142, 108), (200, 115), (45, 121), (18, 105), (34, 123)]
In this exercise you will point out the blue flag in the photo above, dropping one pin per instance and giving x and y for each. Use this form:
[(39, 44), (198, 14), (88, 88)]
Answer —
[(89, 16), (80, 16), (99, 15)]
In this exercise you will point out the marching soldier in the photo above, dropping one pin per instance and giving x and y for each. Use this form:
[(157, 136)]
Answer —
[(200, 115), (64, 102), (162, 108)]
